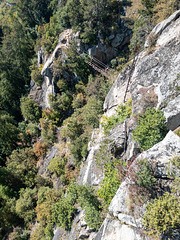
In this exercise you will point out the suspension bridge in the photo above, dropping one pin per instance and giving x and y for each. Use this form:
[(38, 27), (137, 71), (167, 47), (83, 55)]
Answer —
[(96, 64)]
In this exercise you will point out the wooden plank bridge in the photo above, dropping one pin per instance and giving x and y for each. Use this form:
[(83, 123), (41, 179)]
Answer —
[(97, 65)]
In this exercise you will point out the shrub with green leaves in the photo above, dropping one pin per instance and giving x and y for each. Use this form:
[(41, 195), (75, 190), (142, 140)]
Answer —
[(30, 109), (8, 134), (28, 132), (145, 175), (19, 234), (123, 112), (57, 165), (47, 199), (63, 213), (88, 201), (142, 27), (64, 210), (104, 155), (148, 5), (92, 216), (110, 183), (162, 215), (151, 128), (25, 205), (36, 76), (49, 127), (22, 164), (173, 169)]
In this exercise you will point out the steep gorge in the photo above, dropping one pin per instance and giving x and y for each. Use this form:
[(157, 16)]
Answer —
[(154, 83), (85, 156)]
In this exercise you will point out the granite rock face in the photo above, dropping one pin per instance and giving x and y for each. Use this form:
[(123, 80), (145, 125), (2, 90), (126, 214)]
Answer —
[(128, 224), (115, 230), (154, 82), (40, 94), (90, 173), (155, 79)]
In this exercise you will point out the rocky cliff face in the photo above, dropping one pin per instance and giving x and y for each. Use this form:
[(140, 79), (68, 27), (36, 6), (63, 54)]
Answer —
[(155, 78), (102, 51), (40, 94), (153, 81)]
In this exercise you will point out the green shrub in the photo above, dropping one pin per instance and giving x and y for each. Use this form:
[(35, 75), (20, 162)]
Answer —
[(30, 109), (88, 201), (148, 5), (28, 132), (123, 112), (104, 155), (92, 217), (151, 129), (19, 234), (47, 199), (142, 28), (8, 134), (39, 233), (61, 104), (162, 215), (36, 77), (25, 205), (91, 112), (145, 175), (163, 9), (110, 184), (173, 169), (64, 210), (57, 166), (49, 126), (48, 34), (114, 63), (63, 213), (22, 164)]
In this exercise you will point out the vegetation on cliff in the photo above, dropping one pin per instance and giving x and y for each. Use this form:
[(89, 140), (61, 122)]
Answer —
[(27, 131)]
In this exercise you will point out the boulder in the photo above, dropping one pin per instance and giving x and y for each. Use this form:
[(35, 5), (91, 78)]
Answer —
[(159, 154), (117, 40), (83, 234), (90, 173), (116, 94), (159, 29), (113, 229), (172, 113), (59, 233)]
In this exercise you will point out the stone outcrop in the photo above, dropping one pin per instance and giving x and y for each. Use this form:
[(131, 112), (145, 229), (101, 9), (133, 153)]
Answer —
[(103, 52), (90, 173), (128, 225), (112, 229), (40, 94), (159, 29), (154, 83), (155, 79)]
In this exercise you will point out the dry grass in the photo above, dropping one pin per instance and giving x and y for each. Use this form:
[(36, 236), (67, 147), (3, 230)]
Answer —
[(132, 11)]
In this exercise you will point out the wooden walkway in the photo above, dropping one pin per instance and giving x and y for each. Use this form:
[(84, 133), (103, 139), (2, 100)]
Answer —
[(97, 65), (103, 72)]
